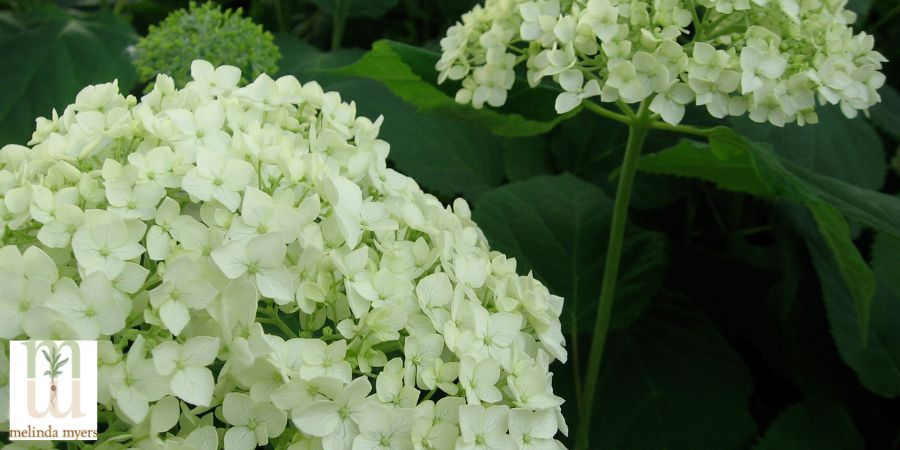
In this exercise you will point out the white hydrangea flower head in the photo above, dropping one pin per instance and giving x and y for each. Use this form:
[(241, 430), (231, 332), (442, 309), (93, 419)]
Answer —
[(770, 59), (253, 269)]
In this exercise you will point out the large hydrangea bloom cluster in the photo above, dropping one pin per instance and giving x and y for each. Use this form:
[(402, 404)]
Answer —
[(767, 58), (253, 270)]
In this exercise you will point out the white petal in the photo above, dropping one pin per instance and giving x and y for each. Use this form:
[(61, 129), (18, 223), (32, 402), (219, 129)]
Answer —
[(566, 102), (238, 409), (165, 415), (200, 350), (239, 438), (203, 438), (193, 385), (571, 80), (201, 70), (320, 419), (157, 243), (174, 316)]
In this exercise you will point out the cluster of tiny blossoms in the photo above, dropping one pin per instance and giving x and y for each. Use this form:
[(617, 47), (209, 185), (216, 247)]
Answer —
[(770, 59), (256, 275)]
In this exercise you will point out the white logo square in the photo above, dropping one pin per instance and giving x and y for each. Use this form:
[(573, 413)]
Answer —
[(53, 390)]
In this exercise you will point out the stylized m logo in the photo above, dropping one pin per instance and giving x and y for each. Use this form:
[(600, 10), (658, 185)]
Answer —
[(56, 360)]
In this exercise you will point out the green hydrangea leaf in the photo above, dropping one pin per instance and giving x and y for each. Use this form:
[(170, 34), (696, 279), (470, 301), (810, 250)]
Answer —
[(886, 115), (729, 170), (671, 381), (525, 158), (409, 72), (859, 279), (557, 227), (306, 62), (812, 425), (823, 147), (876, 356), (733, 162), (51, 57)]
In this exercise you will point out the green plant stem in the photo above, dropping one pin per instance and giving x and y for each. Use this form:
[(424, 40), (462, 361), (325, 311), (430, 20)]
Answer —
[(637, 132), (339, 22), (601, 111), (686, 129), (885, 19), (275, 319), (279, 16)]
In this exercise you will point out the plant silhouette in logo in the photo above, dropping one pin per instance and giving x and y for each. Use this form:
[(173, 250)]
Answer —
[(55, 370)]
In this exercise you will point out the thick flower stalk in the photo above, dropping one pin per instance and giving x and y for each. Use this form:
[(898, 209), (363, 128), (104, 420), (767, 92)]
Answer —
[(244, 256), (770, 59)]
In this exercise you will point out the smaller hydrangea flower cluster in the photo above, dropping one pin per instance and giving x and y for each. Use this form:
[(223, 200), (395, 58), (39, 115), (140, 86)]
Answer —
[(254, 271), (766, 58)]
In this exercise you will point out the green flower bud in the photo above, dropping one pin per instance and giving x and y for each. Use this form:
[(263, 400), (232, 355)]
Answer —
[(209, 33)]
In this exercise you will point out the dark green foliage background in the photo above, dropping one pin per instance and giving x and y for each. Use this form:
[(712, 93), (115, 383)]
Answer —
[(759, 302)]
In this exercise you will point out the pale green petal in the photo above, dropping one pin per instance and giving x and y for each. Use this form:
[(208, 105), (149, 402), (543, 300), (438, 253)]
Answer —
[(203, 438), (131, 279), (174, 316), (166, 356), (276, 284), (268, 250), (39, 265), (132, 404), (197, 185), (238, 409), (239, 438), (193, 385), (200, 351), (164, 415), (273, 418), (231, 259), (320, 419), (157, 243)]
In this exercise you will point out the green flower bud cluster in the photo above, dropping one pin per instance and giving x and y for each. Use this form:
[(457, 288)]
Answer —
[(209, 33)]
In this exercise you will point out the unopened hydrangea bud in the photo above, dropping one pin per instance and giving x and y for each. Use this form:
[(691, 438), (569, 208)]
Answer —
[(205, 32)]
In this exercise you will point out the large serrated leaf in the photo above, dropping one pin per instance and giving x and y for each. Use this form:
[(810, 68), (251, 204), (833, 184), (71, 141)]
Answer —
[(874, 357), (733, 172), (305, 61), (844, 149), (886, 115), (670, 381), (733, 162), (409, 72), (557, 226), (812, 425), (51, 58)]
